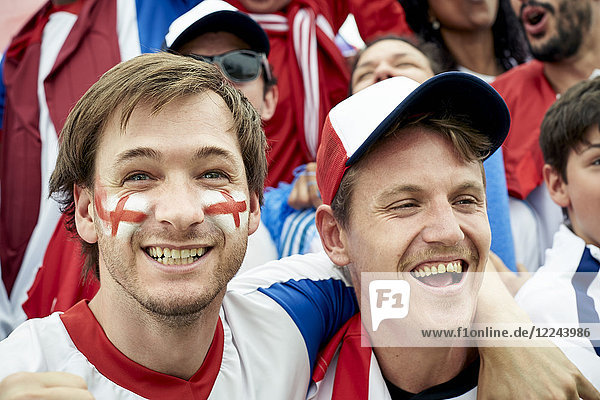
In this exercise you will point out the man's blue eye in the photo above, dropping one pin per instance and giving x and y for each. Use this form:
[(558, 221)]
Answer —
[(137, 177), (213, 175)]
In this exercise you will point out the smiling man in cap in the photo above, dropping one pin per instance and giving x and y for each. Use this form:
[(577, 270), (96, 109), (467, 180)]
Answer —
[(403, 188)]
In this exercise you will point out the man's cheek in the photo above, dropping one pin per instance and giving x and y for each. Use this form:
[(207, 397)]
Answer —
[(228, 211), (120, 216)]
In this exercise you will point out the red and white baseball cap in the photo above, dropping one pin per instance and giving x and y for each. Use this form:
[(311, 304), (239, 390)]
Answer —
[(359, 121)]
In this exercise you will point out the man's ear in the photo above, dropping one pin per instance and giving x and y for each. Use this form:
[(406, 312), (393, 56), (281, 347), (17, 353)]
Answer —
[(269, 103), (333, 236), (557, 187), (253, 213), (84, 214)]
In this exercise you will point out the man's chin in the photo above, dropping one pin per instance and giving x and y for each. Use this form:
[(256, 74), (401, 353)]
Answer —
[(176, 311)]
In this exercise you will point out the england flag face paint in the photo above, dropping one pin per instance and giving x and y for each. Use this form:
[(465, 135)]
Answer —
[(228, 211), (120, 216)]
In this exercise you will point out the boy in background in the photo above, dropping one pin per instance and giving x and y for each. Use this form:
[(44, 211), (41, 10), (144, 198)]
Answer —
[(565, 292)]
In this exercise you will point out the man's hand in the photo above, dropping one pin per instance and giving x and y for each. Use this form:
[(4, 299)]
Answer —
[(305, 193), (44, 385), (531, 373), (513, 281)]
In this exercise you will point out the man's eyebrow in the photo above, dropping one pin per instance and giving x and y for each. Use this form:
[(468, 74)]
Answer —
[(476, 188), (401, 190), (138, 152), (471, 185), (211, 151)]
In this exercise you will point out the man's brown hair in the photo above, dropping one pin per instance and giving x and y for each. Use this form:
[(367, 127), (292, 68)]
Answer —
[(154, 80), (470, 145)]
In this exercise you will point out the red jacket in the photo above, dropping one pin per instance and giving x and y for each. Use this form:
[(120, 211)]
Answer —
[(528, 95)]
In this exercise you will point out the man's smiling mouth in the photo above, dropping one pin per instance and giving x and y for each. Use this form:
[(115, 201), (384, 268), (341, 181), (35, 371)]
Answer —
[(440, 274), (168, 256)]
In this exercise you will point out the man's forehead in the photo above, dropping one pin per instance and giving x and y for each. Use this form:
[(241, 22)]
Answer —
[(207, 109), (402, 144)]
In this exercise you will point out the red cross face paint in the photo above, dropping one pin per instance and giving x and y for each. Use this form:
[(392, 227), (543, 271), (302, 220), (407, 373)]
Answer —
[(228, 211), (120, 215)]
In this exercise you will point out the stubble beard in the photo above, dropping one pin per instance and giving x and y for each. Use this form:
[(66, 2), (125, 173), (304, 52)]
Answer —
[(572, 24), (165, 306)]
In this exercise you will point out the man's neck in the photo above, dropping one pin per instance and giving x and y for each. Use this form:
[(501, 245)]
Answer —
[(415, 369), (473, 50), (154, 343), (564, 74)]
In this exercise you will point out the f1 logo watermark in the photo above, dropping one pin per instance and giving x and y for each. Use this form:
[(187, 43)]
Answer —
[(389, 299)]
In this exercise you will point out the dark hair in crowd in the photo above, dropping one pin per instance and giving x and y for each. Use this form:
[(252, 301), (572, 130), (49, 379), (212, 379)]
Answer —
[(509, 42), (567, 121)]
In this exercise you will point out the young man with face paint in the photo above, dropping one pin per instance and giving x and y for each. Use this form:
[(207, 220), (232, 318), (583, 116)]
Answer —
[(564, 39), (161, 173)]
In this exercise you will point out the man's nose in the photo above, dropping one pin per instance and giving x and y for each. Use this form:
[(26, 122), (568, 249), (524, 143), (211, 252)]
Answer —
[(179, 204), (383, 71), (442, 226)]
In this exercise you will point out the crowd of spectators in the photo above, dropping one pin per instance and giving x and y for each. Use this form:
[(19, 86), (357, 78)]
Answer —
[(289, 60)]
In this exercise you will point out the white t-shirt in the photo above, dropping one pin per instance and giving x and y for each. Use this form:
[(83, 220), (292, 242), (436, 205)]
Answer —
[(566, 292), (272, 323)]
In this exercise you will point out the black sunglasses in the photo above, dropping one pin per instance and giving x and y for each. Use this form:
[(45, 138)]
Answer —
[(239, 65)]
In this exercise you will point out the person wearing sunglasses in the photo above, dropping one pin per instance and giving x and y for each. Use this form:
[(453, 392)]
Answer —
[(217, 32)]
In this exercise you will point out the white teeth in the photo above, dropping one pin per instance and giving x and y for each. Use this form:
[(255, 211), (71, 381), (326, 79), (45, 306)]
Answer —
[(455, 267), (175, 256)]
